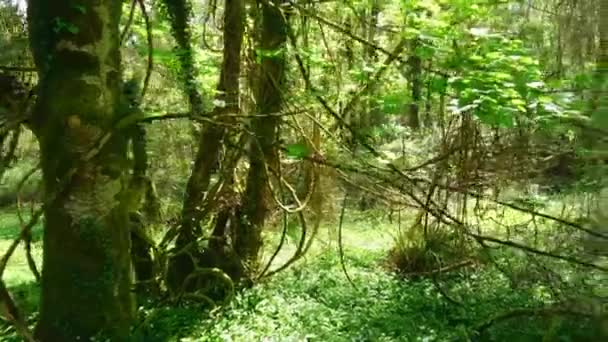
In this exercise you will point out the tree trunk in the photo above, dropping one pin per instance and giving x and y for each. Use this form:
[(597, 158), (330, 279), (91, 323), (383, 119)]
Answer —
[(139, 189), (211, 140), (269, 99), (179, 12), (370, 112), (416, 85), (86, 275)]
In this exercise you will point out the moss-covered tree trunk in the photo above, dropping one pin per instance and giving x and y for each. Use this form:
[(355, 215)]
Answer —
[(210, 141), (179, 12), (269, 98), (140, 212), (415, 64), (368, 113), (86, 275)]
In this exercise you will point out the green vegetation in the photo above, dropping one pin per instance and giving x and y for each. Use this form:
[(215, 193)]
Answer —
[(314, 300), (270, 170)]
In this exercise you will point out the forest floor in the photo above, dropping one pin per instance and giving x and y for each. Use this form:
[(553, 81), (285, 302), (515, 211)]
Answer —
[(315, 301)]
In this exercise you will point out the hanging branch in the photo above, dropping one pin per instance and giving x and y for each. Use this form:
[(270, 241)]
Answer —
[(355, 37), (375, 79), (522, 312), (283, 233), (11, 313), (149, 37), (27, 238), (7, 158), (17, 69), (302, 244), (299, 250), (531, 250), (127, 27), (341, 244)]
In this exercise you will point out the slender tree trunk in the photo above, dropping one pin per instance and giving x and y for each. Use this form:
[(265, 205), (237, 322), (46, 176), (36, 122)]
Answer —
[(139, 188), (346, 51), (599, 104), (179, 12), (269, 100), (368, 113), (211, 140), (312, 172), (86, 275), (416, 85)]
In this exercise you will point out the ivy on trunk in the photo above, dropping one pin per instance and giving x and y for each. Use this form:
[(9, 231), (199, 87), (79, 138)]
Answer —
[(269, 99), (86, 275)]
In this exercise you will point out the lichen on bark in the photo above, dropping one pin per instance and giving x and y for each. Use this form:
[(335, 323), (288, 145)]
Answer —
[(269, 95), (86, 275)]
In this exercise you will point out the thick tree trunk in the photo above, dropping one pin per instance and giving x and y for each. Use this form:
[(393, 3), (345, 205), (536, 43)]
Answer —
[(86, 275), (269, 99)]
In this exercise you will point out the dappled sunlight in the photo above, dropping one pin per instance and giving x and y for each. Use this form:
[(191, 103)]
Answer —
[(282, 170)]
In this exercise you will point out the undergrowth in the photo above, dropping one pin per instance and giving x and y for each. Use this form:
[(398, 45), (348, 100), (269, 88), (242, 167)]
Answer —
[(314, 301)]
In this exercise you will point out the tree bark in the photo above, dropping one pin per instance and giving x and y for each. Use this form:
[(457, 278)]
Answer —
[(139, 186), (416, 85), (211, 140), (86, 275), (370, 112), (179, 12), (269, 100)]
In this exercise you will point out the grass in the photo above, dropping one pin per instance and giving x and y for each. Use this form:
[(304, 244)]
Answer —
[(17, 271), (314, 301)]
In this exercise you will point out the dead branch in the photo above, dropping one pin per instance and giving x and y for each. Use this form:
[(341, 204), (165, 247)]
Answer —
[(523, 312), (10, 312), (445, 269)]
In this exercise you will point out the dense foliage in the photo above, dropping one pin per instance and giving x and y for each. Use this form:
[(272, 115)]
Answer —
[(365, 170)]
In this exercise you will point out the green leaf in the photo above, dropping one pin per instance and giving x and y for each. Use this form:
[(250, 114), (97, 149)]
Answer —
[(501, 118), (503, 76), (536, 84), (438, 84), (518, 102), (476, 58), (479, 31), (425, 51), (297, 151), (393, 103), (73, 29), (271, 54), (80, 8)]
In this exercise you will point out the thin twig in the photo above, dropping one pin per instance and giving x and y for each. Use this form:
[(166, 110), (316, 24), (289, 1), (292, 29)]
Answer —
[(551, 311), (27, 236), (537, 251), (17, 69), (125, 31)]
